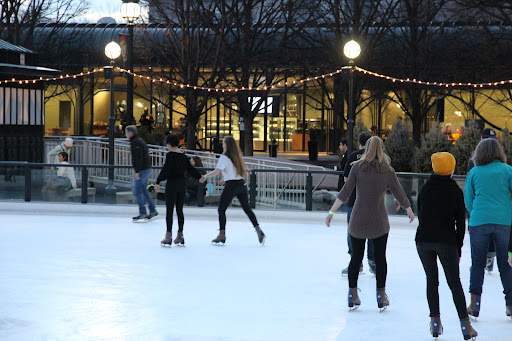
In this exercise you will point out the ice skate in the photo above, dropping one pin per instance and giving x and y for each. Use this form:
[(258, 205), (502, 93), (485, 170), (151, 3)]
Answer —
[(490, 261), (474, 306), (141, 218), (353, 299), (261, 235), (382, 299), (151, 216), (436, 328), (167, 241), (467, 330), (221, 238), (508, 311), (371, 265), (344, 272), (180, 241)]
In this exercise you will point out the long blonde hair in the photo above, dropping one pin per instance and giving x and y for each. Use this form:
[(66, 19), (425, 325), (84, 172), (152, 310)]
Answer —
[(374, 150), (235, 155)]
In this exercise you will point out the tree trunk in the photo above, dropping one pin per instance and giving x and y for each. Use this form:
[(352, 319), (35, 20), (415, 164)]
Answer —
[(249, 135), (192, 119), (417, 116)]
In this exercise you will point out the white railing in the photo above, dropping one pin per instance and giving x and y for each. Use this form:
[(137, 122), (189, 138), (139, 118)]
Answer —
[(273, 189)]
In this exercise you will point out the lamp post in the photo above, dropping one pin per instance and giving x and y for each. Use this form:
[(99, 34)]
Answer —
[(130, 10), (351, 50), (112, 51)]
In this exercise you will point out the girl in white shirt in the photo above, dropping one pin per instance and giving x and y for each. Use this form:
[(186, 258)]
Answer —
[(66, 172), (232, 166)]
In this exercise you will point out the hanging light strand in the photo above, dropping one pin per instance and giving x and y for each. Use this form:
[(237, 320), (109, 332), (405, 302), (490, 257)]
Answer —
[(435, 84), (50, 79), (279, 85)]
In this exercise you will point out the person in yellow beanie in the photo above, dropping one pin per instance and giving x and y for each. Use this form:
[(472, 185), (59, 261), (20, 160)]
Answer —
[(442, 224)]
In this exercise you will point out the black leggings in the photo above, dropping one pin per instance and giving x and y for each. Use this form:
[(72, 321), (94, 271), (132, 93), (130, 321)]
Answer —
[(235, 188), (174, 198), (449, 257), (381, 266)]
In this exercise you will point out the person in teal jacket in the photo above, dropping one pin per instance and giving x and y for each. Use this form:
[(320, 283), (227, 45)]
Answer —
[(488, 191)]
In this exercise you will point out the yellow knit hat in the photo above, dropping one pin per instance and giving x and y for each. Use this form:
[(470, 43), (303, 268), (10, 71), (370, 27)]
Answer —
[(443, 163)]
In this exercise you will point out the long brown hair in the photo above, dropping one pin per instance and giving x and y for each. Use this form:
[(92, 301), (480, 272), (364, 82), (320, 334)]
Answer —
[(487, 151), (235, 154), (374, 150)]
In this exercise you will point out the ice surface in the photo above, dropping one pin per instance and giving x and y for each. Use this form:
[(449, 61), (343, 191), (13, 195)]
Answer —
[(104, 278)]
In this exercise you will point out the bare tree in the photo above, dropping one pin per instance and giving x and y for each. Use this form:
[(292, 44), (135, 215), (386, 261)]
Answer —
[(191, 45), (257, 46), (19, 18)]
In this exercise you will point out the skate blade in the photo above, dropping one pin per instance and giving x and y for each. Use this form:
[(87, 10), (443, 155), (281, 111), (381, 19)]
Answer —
[(353, 308), (218, 244), (179, 245), (383, 309), (165, 245), (139, 221), (263, 241)]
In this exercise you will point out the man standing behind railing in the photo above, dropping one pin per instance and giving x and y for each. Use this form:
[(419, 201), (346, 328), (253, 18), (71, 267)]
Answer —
[(142, 165)]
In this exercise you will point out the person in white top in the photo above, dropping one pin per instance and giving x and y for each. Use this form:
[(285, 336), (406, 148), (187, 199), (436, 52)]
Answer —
[(66, 172), (232, 166), (63, 147), (65, 178)]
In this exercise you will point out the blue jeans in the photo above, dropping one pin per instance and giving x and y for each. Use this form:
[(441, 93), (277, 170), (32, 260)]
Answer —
[(480, 236), (370, 251), (141, 193)]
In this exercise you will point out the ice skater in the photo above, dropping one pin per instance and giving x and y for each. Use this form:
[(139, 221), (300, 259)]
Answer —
[(142, 166), (440, 234), (232, 166), (175, 166), (371, 176), (488, 191), (487, 133)]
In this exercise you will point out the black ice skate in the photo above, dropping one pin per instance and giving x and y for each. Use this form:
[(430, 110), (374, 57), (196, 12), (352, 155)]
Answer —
[(508, 311), (436, 328), (353, 299), (167, 241), (382, 299), (151, 216), (261, 235), (139, 219), (467, 330), (221, 238), (180, 241)]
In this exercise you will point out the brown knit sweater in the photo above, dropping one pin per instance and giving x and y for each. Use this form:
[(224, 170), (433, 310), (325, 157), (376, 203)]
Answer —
[(369, 219)]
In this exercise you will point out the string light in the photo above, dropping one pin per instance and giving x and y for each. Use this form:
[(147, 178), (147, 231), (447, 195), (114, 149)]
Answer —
[(268, 87)]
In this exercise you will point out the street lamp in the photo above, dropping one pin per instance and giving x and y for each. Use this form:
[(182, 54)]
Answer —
[(130, 11), (352, 50), (112, 51)]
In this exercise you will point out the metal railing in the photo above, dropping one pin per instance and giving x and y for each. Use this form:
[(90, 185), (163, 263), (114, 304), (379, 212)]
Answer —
[(275, 189), (260, 193)]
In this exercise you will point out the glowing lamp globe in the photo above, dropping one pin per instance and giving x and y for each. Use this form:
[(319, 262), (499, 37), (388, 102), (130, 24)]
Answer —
[(130, 10), (112, 50), (352, 49)]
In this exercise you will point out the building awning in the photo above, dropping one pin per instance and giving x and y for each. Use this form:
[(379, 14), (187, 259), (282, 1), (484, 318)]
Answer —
[(27, 71), (5, 46)]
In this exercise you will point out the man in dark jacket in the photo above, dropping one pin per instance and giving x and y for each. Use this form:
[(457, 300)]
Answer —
[(142, 166), (343, 162)]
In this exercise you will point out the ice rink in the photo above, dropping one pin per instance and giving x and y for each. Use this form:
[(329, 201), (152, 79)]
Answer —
[(94, 275)]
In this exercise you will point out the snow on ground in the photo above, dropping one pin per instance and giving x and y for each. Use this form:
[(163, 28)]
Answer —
[(72, 277)]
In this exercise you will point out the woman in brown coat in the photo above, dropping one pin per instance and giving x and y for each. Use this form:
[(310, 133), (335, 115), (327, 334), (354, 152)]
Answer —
[(371, 176)]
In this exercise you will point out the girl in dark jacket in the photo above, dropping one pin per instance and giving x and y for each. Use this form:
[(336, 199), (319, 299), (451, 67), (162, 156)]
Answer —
[(442, 223), (175, 166)]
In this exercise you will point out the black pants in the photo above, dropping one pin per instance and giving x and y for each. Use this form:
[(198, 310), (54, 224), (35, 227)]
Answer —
[(379, 253), (174, 198), (235, 188), (449, 257)]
